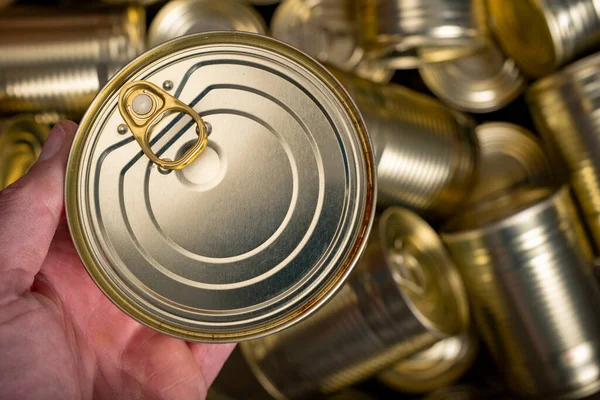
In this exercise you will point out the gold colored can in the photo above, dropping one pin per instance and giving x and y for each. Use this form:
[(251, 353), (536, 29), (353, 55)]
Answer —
[(221, 187), (542, 35), (404, 295), (438, 366), (566, 110), (21, 141), (426, 154), (527, 267), (184, 17)]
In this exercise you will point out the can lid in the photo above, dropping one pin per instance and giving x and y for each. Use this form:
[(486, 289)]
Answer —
[(424, 271), (257, 232), (184, 17)]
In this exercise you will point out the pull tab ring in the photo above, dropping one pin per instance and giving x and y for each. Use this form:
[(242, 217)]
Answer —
[(142, 104)]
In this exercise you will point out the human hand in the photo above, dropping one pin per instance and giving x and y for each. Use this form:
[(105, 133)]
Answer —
[(60, 337)]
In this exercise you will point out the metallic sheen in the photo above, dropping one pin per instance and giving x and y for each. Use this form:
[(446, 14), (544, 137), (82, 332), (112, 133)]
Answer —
[(528, 270), (404, 295), (262, 228)]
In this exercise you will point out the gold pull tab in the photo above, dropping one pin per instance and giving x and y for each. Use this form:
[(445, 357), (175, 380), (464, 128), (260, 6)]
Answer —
[(142, 104)]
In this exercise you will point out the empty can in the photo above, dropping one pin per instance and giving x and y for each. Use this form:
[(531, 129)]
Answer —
[(434, 368), (184, 17), (566, 111), (21, 141), (403, 296), (407, 33), (221, 187), (426, 154), (527, 267), (541, 35)]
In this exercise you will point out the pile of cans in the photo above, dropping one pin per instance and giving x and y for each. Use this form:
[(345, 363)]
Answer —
[(486, 170)]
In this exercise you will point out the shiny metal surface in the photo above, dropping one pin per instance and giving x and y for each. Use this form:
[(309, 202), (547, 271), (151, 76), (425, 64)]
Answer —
[(566, 111), (483, 82), (21, 141), (457, 393), (528, 270), (184, 17), (541, 35), (426, 154), (434, 368), (403, 296), (261, 229), (327, 31), (510, 156), (407, 33)]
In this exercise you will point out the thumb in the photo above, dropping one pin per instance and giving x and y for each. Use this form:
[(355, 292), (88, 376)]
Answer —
[(30, 211)]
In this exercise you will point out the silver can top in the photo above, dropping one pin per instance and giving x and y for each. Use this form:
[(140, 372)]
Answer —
[(260, 229)]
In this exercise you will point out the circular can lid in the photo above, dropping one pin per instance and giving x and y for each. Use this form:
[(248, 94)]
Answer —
[(483, 82), (184, 17), (258, 231)]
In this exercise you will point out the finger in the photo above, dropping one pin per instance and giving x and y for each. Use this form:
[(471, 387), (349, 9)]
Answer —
[(210, 358), (30, 210)]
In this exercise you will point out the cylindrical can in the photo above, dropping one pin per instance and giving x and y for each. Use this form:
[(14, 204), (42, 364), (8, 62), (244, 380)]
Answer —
[(408, 33), (404, 295), (483, 82), (434, 368), (326, 30), (527, 266), (221, 187), (184, 17), (426, 154), (541, 35), (566, 110), (21, 141), (510, 156)]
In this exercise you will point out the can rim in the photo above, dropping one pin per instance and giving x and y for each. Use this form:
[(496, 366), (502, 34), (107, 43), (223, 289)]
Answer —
[(570, 73), (74, 212)]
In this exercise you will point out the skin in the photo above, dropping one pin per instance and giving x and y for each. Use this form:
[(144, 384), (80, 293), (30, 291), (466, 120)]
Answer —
[(60, 337)]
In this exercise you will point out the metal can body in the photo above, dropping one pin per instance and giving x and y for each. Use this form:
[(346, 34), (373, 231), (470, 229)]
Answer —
[(527, 267), (563, 31), (403, 296), (566, 112), (256, 231), (426, 154), (407, 33)]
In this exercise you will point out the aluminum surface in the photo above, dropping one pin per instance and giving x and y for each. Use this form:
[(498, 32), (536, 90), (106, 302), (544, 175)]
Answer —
[(403, 296), (184, 17), (327, 31), (566, 111), (408, 33), (436, 367), (527, 267), (483, 82), (426, 154), (541, 35), (261, 229)]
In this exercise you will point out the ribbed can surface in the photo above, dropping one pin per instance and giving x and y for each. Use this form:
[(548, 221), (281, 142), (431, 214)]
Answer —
[(403, 296), (566, 111), (541, 35), (527, 267), (426, 154)]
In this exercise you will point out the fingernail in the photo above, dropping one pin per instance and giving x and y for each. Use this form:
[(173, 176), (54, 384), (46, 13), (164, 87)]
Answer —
[(53, 144)]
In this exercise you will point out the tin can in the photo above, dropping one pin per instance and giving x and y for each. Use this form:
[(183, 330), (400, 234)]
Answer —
[(327, 30), (566, 111), (436, 367), (184, 17), (221, 187), (510, 156), (483, 82), (21, 141), (527, 267), (426, 154), (564, 30), (404, 295), (407, 33)]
